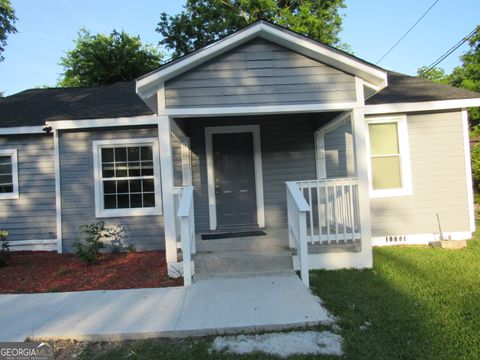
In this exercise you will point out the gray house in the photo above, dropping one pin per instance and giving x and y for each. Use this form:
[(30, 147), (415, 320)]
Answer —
[(265, 130)]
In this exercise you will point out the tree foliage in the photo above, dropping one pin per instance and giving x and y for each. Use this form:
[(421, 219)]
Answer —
[(106, 59), (436, 74), (204, 21), (7, 24)]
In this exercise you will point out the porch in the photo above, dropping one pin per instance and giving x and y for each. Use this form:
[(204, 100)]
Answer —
[(307, 223)]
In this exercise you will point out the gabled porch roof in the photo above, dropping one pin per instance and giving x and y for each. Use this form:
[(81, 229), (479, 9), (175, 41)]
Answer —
[(373, 76)]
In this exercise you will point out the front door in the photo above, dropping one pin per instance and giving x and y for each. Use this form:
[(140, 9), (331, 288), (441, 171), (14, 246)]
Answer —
[(234, 179)]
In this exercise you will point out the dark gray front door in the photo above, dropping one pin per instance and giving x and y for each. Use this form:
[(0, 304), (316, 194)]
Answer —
[(234, 179)]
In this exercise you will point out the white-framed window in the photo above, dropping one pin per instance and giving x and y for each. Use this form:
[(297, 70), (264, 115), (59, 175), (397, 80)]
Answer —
[(388, 151), (8, 174), (127, 177)]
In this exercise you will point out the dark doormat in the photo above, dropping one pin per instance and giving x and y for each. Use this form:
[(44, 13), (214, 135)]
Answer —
[(236, 234)]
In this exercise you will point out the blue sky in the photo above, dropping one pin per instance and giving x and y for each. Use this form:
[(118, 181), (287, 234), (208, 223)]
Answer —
[(47, 29)]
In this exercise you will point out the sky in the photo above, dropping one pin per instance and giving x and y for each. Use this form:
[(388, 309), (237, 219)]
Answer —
[(47, 29)]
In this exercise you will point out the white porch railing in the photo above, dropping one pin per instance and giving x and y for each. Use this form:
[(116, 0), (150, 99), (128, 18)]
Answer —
[(322, 212), (297, 226), (186, 223)]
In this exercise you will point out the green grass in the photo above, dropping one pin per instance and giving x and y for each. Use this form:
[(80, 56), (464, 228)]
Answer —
[(420, 302)]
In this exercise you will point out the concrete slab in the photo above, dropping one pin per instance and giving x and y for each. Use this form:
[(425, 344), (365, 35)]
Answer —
[(210, 306)]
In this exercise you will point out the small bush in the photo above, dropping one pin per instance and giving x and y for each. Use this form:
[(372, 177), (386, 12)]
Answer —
[(94, 237), (4, 248), (88, 248)]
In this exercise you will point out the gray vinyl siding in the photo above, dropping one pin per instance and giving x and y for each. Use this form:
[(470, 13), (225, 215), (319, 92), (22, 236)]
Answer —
[(259, 73), (77, 186), (438, 177), (288, 154), (339, 160), (32, 216)]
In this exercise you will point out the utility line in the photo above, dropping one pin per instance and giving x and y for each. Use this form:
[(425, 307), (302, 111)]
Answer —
[(450, 51), (399, 40)]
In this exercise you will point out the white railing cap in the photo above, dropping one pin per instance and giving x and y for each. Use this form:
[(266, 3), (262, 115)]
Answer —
[(297, 196), (186, 201)]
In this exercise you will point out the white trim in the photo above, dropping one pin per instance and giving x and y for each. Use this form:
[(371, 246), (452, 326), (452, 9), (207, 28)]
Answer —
[(186, 155), (404, 148), (359, 92), (257, 150), (21, 245), (106, 122), (418, 239), (100, 211), (22, 130), (15, 193), (421, 106), (58, 196), (359, 130), (320, 161), (145, 85), (258, 110), (468, 170), (333, 124), (168, 191)]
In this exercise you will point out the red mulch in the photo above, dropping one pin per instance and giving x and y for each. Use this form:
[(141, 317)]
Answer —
[(43, 271)]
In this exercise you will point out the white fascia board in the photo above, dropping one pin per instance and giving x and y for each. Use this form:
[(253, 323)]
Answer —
[(374, 76), (258, 110), (421, 106), (106, 122), (22, 130)]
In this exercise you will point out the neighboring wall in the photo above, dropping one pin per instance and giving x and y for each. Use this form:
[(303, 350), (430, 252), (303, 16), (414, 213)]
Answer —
[(77, 186), (439, 181), (288, 154), (259, 73), (339, 159), (32, 216)]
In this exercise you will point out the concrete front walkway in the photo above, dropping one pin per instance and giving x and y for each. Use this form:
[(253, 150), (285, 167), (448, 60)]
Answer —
[(210, 306)]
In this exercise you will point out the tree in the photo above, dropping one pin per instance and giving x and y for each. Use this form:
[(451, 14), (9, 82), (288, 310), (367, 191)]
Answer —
[(7, 24), (468, 74), (436, 74), (204, 21), (106, 59)]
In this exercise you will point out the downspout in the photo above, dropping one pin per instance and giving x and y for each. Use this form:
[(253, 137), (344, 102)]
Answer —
[(58, 199)]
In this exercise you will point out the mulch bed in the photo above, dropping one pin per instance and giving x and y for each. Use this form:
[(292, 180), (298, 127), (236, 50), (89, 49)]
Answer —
[(43, 271)]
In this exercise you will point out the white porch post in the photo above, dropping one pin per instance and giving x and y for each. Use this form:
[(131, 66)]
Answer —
[(166, 169), (360, 130)]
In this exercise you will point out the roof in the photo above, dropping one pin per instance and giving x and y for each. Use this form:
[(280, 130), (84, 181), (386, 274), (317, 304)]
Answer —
[(404, 89), (36, 106)]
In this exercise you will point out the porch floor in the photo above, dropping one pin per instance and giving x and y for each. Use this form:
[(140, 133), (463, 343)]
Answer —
[(211, 306)]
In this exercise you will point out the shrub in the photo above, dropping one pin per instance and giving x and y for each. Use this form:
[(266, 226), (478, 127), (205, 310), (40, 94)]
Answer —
[(4, 248), (88, 248), (117, 236)]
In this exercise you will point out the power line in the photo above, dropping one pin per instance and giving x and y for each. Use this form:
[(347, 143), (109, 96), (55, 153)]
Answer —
[(450, 51), (399, 40)]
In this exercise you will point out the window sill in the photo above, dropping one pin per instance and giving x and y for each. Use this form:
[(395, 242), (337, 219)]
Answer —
[(9, 196), (377, 194), (128, 213)]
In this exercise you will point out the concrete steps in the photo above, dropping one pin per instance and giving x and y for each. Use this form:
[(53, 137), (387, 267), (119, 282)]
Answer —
[(240, 263)]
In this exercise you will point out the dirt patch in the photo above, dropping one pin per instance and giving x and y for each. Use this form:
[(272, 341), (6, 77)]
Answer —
[(43, 271)]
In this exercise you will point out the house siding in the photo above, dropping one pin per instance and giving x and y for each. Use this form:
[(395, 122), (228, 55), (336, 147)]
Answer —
[(32, 216), (259, 73), (77, 187), (288, 154), (339, 159), (439, 181)]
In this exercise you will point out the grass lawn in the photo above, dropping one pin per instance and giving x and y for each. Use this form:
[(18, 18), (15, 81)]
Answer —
[(416, 303)]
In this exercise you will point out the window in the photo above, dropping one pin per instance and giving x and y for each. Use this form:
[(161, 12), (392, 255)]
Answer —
[(127, 178), (8, 174), (389, 167)]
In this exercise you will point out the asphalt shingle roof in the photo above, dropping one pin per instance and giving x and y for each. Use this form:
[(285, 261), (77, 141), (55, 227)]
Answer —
[(36, 106), (403, 88)]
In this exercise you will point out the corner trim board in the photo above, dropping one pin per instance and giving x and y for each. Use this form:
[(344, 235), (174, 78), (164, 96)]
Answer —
[(468, 170), (212, 205), (58, 194)]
